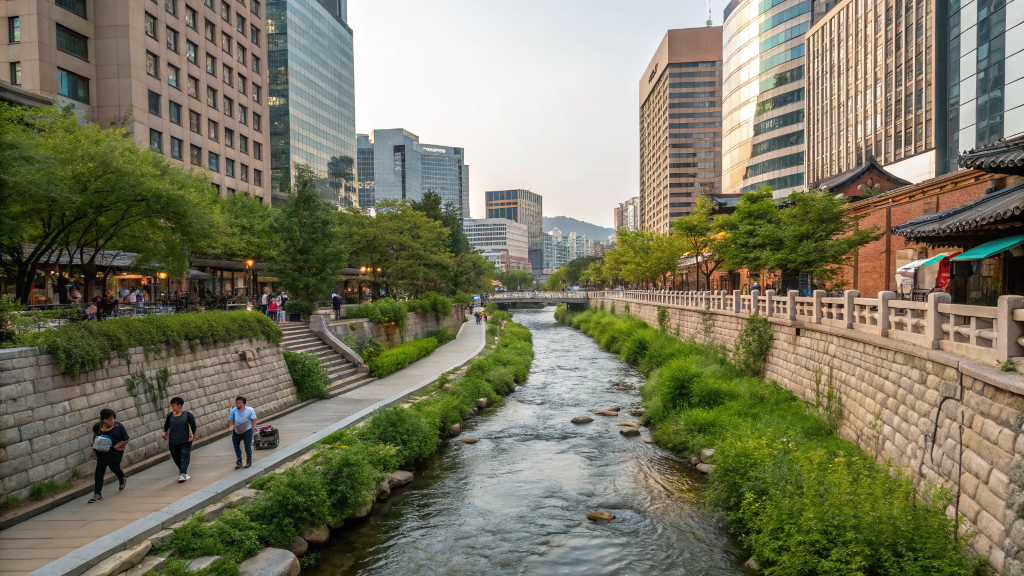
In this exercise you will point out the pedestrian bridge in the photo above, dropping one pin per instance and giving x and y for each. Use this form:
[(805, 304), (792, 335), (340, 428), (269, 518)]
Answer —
[(538, 297)]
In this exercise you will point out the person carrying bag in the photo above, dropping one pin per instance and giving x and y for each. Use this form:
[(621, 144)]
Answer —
[(241, 421), (109, 439)]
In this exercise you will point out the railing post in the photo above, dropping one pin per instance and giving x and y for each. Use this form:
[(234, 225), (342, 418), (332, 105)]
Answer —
[(791, 303), (755, 296), (933, 322), (849, 308), (737, 302), (769, 297), (1008, 330), (818, 295), (884, 311)]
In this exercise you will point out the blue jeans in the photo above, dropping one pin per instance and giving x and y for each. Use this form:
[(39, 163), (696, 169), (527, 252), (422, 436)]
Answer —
[(181, 454), (247, 438)]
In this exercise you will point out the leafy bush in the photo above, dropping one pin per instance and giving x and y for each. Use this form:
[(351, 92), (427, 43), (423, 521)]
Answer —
[(490, 308), (402, 429), (663, 318), (463, 299), (308, 373), (431, 303), (753, 345), (43, 489), (394, 359), (444, 336), (388, 313), (300, 306), (84, 346)]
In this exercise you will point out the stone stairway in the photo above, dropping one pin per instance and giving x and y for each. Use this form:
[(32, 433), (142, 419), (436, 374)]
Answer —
[(344, 375)]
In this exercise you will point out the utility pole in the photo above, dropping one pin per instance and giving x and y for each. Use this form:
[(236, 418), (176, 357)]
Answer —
[(709, 14)]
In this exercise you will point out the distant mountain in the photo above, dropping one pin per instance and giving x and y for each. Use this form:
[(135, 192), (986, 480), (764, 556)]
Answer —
[(567, 225)]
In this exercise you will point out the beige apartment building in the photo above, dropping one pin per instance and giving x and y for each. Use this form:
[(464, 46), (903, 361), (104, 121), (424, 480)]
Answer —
[(192, 73), (876, 88), (680, 125)]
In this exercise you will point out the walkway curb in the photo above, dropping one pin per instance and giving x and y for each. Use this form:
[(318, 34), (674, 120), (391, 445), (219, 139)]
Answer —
[(87, 556)]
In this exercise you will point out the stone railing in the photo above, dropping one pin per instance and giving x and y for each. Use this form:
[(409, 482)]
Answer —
[(981, 333)]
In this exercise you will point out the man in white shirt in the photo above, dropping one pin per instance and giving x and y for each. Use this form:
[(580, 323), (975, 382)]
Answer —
[(265, 300)]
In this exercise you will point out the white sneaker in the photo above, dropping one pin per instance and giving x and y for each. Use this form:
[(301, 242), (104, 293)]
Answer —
[(181, 478), (187, 477)]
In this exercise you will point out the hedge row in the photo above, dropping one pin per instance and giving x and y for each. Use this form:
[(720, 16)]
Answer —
[(83, 346), (347, 466), (801, 500), (394, 359), (308, 373)]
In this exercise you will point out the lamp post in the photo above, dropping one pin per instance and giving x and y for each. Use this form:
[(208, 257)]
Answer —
[(163, 276), (248, 278)]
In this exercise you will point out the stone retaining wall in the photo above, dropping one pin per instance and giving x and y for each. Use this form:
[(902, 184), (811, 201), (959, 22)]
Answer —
[(46, 418), (416, 326), (891, 397)]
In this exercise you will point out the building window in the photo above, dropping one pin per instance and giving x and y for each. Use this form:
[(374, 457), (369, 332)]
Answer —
[(257, 177), (212, 130), (211, 31), (256, 122), (256, 64), (254, 34), (243, 173), (16, 73), (243, 144), (154, 103), (243, 114), (193, 87), (72, 42), (14, 29), (190, 17), (254, 7), (257, 150), (173, 76), (193, 121), (211, 64), (225, 11), (209, 4), (256, 92), (172, 39), (171, 6), (174, 112), (190, 52), (71, 85), (225, 42), (152, 65), (241, 54), (156, 140), (229, 138), (175, 148), (150, 25), (195, 155), (227, 75), (229, 167), (211, 97), (75, 6), (229, 107), (240, 24), (241, 83), (214, 162)]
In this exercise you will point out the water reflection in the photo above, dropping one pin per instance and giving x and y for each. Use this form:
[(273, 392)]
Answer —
[(516, 502)]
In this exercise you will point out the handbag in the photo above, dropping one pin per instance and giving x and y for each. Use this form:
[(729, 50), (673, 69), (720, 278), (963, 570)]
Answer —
[(241, 427), (102, 443)]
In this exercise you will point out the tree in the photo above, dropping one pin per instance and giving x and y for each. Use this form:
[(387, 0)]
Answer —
[(307, 253), (642, 256), (449, 216), (696, 236), (555, 282), (518, 279), (596, 275), (248, 224), (576, 267)]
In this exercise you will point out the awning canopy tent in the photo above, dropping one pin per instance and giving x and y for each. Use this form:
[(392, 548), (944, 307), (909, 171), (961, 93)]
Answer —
[(993, 216), (989, 249)]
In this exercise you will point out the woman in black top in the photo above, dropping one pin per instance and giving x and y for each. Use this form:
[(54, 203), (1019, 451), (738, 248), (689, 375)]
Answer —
[(179, 431), (109, 440)]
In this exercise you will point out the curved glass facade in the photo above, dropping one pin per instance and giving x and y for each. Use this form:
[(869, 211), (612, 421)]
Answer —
[(763, 81)]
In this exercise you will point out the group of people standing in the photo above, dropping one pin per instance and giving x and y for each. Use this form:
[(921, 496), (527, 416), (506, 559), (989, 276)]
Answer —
[(110, 438), (273, 306)]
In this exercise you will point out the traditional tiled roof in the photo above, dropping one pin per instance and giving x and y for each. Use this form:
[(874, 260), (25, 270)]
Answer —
[(834, 183), (1006, 156), (997, 208)]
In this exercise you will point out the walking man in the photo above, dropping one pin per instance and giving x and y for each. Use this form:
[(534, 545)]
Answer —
[(241, 422), (109, 439), (179, 431), (265, 300), (336, 302)]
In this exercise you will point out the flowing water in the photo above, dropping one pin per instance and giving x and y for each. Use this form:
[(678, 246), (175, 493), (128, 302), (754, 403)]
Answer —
[(517, 501)]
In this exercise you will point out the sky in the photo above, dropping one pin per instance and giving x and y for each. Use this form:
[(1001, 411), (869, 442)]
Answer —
[(542, 94)]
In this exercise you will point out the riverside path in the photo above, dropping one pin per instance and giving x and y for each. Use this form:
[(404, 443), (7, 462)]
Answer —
[(65, 539)]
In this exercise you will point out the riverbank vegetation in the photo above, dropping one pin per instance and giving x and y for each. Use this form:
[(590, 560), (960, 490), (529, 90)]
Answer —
[(308, 373), (801, 500), (346, 467)]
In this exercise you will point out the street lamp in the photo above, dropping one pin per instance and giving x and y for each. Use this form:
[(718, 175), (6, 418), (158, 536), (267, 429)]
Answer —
[(163, 276), (248, 278)]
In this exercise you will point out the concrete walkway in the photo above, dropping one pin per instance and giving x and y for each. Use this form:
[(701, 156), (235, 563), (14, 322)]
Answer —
[(72, 537)]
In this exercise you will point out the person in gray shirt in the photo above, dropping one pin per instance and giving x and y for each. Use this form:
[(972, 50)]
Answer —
[(179, 431)]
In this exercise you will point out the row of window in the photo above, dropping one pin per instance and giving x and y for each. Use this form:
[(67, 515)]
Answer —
[(156, 142), (711, 94), (781, 58), (677, 115), (227, 45), (676, 85), (195, 119), (780, 163), (791, 181), (696, 135), (785, 36), (780, 121), (784, 99), (777, 143), (227, 76), (702, 104), (784, 16), (686, 125)]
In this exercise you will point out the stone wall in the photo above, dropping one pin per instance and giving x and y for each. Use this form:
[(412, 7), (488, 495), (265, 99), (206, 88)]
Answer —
[(416, 326), (46, 418), (891, 398)]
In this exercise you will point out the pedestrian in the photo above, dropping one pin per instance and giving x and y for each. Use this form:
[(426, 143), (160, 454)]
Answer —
[(477, 316), (284, 299), (124, 295), (133, 297), (93, 309), (272, 309), (180, 431), (265, 300), (336, 302), (241, 422), (141, 298), (109, 439)]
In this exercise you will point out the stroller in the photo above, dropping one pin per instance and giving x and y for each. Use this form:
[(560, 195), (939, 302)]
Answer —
[(266, 437)]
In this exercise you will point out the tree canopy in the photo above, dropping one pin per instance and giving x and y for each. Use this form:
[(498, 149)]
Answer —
[(697, 238), (642, 256)]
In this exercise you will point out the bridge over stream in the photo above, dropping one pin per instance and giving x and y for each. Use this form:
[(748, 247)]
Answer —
[(576, 300)]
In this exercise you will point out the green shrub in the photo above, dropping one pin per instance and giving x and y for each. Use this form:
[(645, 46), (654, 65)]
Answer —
[(300, 306), (753, 345), (490, 308), (84, 346), (357, 310), (404, 430), (432, 303), (8, 502), (234, 536), (309, 375), (297, 498), (463, 299), (349, 478), (663, 318), (444, 336), (44, 489), (394, 359), (388, 313)]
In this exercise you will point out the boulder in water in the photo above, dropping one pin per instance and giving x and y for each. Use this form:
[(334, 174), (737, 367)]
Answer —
[(316, 535), (582, 420), (384, 490), (456, 428), (481, 403), (631, 424), (705, 468), (400, 478), (629, 431), (468, 440), (595, 516), (271, 562), (298, 546)]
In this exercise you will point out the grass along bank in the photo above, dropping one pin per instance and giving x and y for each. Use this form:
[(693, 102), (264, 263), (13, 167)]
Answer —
[(343, 473), (801, 500)]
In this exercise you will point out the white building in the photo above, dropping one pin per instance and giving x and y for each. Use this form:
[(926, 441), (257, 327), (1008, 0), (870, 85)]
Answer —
[(497, 234), (559, 250)]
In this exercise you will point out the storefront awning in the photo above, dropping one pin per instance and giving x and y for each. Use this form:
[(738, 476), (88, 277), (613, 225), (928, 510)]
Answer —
[(912, 265), (992, 248)]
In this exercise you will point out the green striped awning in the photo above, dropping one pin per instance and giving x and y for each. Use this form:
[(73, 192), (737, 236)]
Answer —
[(992, 248)]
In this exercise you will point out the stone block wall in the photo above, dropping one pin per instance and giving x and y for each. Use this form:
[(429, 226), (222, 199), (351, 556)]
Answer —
[(905, 403), (46, 418), (416, 326)]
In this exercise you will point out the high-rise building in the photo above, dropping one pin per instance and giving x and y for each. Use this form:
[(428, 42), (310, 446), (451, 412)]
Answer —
[(884, 98), (193, 75), (312, 95), (394, 165), (680, 125), (763, 95), (561, 249), (525, 207), (503, 241), (986, 73), (627, 214)]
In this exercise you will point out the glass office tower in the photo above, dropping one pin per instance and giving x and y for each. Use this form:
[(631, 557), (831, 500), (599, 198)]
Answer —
[(312, 95)]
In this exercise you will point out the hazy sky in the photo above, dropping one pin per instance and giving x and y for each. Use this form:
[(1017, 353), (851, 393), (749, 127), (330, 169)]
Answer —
[(542, 94)]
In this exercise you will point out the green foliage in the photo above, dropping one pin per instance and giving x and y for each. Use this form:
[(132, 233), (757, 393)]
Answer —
[(518, 279), (388, 313), (462, 299), (44, 489), (248, 223), (753, 345), (1008, 366), (431, 303), (642, 256), (8, 304), (394, 359), (84, 346), (490, 308), (306, 308), (179, 567), (308, 373), (444, 336), (663, 318), (402, 429), (9, 502), (695, 236)]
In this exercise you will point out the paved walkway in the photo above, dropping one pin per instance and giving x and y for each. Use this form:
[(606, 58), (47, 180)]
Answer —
[(35, 543)]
